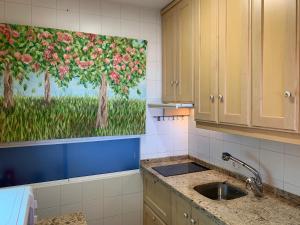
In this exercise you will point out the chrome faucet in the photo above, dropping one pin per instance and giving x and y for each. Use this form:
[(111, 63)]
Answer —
[(254, 183)]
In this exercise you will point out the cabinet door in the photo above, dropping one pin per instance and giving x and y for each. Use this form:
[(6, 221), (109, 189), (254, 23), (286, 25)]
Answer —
[(169, 55), (206, 60), (150, 218), (181, 211), (200, 218), (158, 197), (275, 70), (185, 78), (234, 61)]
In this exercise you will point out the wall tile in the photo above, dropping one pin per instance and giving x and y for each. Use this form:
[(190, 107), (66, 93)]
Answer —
[(271, 167), (90, 7), (112, 187), (130, 29), (20, 1), (71, 208), (68, 20), (150, 15), (250, 156), (2, 12), (71, 193), (44, 3), (115, 220), (132, 202), (129, 12), (149, 32), (70, 5), (48, 212), (203, 148), (17, 13), (112, 206), (92, 190), (272, 145), (90, 23), (44, 17), (292, 149), (132, 218), (132, 184), (292, 188), (111, 26), (48, 196), (292, 170), (95, 222), (93, 209), (111, 9)]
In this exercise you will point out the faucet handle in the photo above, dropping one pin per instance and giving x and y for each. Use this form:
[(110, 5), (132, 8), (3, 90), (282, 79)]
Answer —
[(249, 182)]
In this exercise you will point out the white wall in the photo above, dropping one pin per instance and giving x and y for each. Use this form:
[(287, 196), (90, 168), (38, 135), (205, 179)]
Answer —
[(105, 17), (278, 163), (109, 199)]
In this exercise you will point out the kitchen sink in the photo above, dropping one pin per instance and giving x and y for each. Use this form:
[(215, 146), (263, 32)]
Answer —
[(220, 191)]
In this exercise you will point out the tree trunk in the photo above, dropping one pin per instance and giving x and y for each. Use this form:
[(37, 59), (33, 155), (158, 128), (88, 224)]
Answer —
[(47, 96), (102, 114), (8, 89)]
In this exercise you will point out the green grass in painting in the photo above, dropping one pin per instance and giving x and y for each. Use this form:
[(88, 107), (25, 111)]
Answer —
[(68, 117)]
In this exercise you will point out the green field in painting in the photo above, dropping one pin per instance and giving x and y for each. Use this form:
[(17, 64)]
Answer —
[(68, 117)]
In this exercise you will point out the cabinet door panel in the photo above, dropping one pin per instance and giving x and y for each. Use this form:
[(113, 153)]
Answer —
[(206, 60), (150, 218), (275, 63), (201, 218), (184, 85), (169, 40), (181, 211), (234, 61), (158, 197)]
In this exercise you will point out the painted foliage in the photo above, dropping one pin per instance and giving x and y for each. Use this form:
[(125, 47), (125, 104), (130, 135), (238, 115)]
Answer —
[(43, 59)]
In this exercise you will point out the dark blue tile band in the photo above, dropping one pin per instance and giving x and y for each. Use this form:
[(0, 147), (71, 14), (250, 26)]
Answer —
[(33, 164)]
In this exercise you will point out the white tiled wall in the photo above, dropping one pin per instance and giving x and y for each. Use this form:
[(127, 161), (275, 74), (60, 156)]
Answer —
[(278, 163), (111, 199), (107, 17)]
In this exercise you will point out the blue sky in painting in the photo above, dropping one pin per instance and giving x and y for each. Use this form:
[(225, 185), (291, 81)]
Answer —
[(35, 87)]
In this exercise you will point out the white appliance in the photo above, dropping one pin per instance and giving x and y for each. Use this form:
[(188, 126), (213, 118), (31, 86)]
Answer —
[(17, 206)]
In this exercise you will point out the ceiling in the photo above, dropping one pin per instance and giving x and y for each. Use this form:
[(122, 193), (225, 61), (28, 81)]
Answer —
[(158, 4)]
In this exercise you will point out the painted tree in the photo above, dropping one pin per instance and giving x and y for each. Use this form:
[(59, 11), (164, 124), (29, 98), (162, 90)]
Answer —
[(109, 61), (15, 59), (51, 52)]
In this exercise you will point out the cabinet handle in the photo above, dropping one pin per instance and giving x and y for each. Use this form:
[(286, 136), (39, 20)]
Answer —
[(221, 98), (185, 215), (177, 82), (172, 83), (212, 98), (287, 94), (193, 221)]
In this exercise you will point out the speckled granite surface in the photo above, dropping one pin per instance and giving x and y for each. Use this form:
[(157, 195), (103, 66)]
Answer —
[(247, 210), (69, 219)]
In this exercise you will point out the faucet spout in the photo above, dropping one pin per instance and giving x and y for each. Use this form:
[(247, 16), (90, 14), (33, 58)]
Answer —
[(255, 183)]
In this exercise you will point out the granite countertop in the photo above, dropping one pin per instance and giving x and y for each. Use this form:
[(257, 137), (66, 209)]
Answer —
[(247, 210), (68, 219)]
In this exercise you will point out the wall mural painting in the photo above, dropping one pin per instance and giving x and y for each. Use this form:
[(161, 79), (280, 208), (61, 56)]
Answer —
[(61, 84)]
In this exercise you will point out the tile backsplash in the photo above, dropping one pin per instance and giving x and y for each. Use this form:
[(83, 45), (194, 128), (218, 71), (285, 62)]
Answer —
[(111, 199), (278, 163), (111, 18)]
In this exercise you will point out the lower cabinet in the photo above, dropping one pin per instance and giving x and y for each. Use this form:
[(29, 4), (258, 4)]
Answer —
[(150, 218), (157, 196), (162, 206), (183, 213)]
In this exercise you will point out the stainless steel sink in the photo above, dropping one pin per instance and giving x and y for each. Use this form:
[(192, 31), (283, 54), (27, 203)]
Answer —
[(220, 191)]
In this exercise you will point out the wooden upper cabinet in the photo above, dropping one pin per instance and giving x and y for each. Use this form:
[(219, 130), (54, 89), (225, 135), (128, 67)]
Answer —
[(275, 67), (206, 60), (169, 40), (234, 62), (185, 78), (177, 34)]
